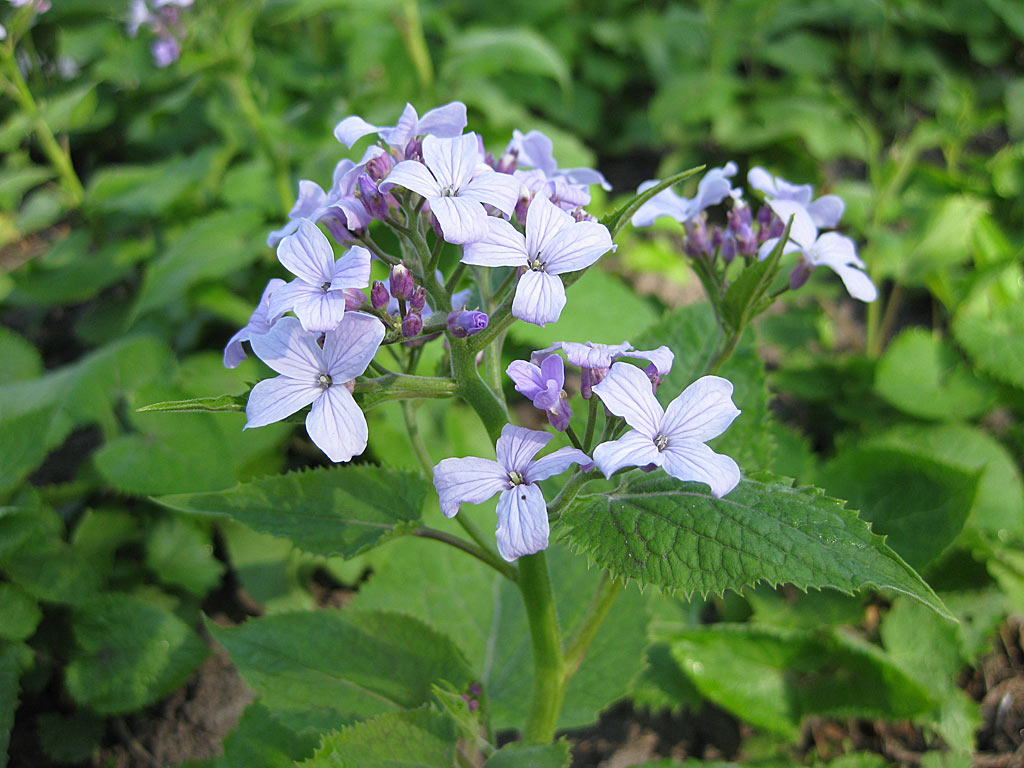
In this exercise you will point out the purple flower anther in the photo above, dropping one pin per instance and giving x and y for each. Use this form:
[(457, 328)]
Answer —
[(317, 295), (466, 322), (401, 282), (829, 249), (713, 188), (259, 323), (456, 184), (544, 385), (554, 243), (672, 438), (522, 512), (379, 296), (825, 212), (318, 376)]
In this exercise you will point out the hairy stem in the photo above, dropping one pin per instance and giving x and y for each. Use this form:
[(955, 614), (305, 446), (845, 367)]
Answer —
[(548, 664)]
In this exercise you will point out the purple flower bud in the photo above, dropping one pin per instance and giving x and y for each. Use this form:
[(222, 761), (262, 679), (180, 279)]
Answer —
[(402, 283), (765, 216), (474, 705), (476, 689), (373, 201), (739, 217), (655, 377), (354, 299), (522, 206), (696, 244), (717, 237), (336, 226), (507, 162), (379, 296), (463, 323), (166, 51), (380, 166), (728, 248), (412, 325), (418, 300), (414, 150), (799, 275)]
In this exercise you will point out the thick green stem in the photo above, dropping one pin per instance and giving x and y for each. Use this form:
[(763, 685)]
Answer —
[(474, 391), (548, 665)]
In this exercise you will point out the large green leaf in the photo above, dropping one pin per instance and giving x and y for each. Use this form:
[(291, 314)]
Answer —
[(660, 531), (20, 611), (492, 51), (14, 657), (518, 755), (337, 511), (180, 552), (130, 654), (354, 663), (418, 739), (773, 678), (262, 740), (992, 332)]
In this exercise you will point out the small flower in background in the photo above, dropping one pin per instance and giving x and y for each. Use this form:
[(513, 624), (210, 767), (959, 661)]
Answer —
[(544, 386), (672, 438), (535, 150), (163, 18), (825, 212), (830, 249), (41, 6), (311, 374), (595, 359), (554, 243), (456, 185), (317, 295), (713, 188), (444, 122), (522, 512), (258, 324)]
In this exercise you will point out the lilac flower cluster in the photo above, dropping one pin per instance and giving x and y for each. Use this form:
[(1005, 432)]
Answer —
[(749, 236), (163, 19)]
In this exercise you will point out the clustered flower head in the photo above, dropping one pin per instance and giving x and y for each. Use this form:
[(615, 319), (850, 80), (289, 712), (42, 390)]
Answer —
[(163, 19)]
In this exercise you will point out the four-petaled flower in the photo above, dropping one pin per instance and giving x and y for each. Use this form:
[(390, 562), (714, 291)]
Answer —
[(456, 183), (522, 512), (595, 359), (830, 249), (825, 212), (444, 122), (317, 296), (259, 323), (713, 188), (535, 150), (672, 438), (554, 243), (311, 374), (544, 385)]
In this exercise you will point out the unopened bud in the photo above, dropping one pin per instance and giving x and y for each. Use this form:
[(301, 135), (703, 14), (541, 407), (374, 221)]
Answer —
[(463, 323), (654, 375), (414, 150), (412, 324), (373, 201), (418, 300), (728, 248), (379, 296), (380, 166), (799, 275), (507, 162), (401, 282), (696, 243), (354, 299)]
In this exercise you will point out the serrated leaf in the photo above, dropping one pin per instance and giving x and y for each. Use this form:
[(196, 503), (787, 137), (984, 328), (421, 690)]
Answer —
[(417, 739), (336, 511), (14, 658), (993, 336), (129, 654), (616, 220), (919, 504), (677, 536), (218, 404), (260, 739), (773, 679), (356, 663), (518, 755), (746, 298)]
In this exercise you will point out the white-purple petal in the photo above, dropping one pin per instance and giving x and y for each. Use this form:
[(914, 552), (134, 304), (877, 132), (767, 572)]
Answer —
[(352, 270), (349, 348), (539, 298), (352, 129), (278, 398), (665, 203), (517, 446), (307, 254), (336, 425), (444, 121), (402, 131), (462, 219), (452, 160), (826, 211), (702, 411), (802, 232), (523, 526), (690, 460), (662, 357), (321, 310), (289, 295), (290, 350), (633, 449), (778, 188), (626, 392), (492, 188), (259, 323), (858, 284), (556, 463), (470, 480), (527, 377), (577, 247), (412, 175), (504, 246), (544, 220)]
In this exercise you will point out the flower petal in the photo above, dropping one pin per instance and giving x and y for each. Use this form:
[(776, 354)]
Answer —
[(691, 460), (826, 211), (702, 411), (517, 446), (445, 121), (470, 480), (290, 350), (351, 346), (308, 254), (321, 311), (769, 245), (298, 291), (662, 358), (556, 463), (834, 250), (858, 284), (577, 247), (277, 398), (452, 160), (336, 425), (544, 220), (504, 246), (527, 377), (539, 298), (498, 189), (626, 392), (352, 270), (803, 232), (413, 176), (401, 132), (633, 449), (462, 219), (522, 522), (665, 203), (352, 129)]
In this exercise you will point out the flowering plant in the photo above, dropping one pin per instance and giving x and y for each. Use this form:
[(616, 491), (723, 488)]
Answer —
[(464, 244)]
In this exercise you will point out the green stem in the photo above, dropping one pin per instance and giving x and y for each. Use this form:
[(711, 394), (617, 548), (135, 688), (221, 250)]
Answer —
[(588, 436), (573, 438), (569, 492), (418, 446), (548, 665), (411, 29), (371, 245), (453, 281), (238, 83), (576, 649), (58, 156), (479, 553), (492, 367), (435, 255), (474, 391)]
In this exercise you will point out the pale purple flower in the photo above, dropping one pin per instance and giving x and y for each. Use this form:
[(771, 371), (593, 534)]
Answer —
[(594, 360), (166, 51), (311, 374), (544, 385), (258, 324), (829, 249), (444, 122), (466, 322), (535, 150), (568, 197), (522, 513), (673, 438), (713, 188), (554, 243), (456, 184), (825, 212), (317, 295)]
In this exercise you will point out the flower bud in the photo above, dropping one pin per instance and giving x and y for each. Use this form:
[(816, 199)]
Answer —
[(654, 375), (380, 166), (412, 324), (799, 275), (507, 162), (354, 299), (728, 248), (463, 322), (418, 300), (401, 282), (379, 296), (373, 201), (414, 150), (696, 243)]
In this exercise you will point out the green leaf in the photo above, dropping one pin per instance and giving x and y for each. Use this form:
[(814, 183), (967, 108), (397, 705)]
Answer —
[(21, 613), (218, 404), (356, 663), (993, 335), (662, 685), (14, 658), (919, 504), (747, 296), (677, 536), (813, 610), (337, 511), (921, 376), (617, 219), (260, 739), (71, 739), (518, 755), (21, 360), (28, 439), (773, 679), (130, 654), (180, 553), (418, 739), (486, 52), (148, 190)]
